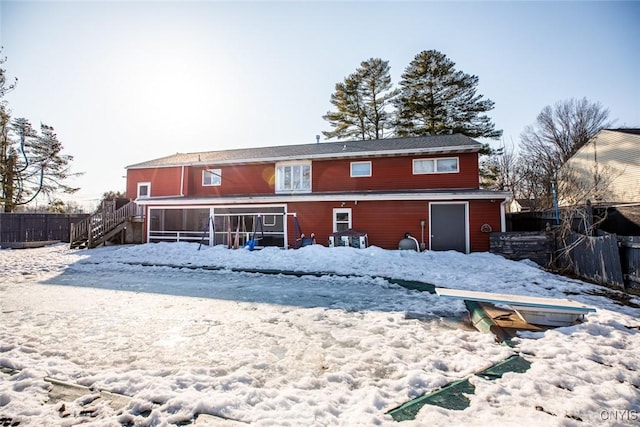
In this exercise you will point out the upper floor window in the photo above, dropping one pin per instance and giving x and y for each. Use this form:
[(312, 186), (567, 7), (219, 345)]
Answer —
[(144, 189), (439, 165), (360, 169), (211, 177), (293, 177)]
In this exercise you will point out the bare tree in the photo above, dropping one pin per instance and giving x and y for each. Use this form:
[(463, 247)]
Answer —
[(558, 132), (501, 166)]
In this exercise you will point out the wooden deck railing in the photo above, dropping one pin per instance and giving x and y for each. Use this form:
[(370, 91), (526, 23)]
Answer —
[(95, 227)]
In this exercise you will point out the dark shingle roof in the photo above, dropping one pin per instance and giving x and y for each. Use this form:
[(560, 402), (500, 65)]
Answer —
[(632, 131), (325, 150)]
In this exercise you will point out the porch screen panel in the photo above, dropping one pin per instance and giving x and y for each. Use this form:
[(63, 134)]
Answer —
[(167, 225), (229, 217)]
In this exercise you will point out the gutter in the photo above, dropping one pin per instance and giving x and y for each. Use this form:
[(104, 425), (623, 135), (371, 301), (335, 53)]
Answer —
[(348, 197)]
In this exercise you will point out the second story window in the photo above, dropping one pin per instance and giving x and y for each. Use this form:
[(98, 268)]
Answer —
[(211, 177), (440, 165), (144, 190), (360, 169), (293, 177)]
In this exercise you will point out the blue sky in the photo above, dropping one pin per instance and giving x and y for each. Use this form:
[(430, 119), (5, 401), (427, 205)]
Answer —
[(124, 82)]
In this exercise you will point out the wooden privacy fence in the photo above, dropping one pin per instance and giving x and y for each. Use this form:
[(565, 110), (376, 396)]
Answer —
[(630, 260), (595, 258), (539, 247), (606, 259), (36, 227)]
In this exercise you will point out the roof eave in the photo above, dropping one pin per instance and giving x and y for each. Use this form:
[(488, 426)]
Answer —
[(319, 197), (324, 156)]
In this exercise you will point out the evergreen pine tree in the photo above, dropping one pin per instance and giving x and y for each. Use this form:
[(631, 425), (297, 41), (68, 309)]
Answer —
[(436, 99), (362, 102)]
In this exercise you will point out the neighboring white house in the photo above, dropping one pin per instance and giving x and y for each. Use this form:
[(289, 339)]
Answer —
[(609, 165), (522, 205)]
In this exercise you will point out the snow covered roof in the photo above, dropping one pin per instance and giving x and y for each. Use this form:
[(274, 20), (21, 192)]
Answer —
[(327, 150)]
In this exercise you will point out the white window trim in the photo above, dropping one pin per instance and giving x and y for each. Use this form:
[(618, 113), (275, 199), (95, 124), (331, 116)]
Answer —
[(360, 163), (217, 172), (435, 165), (294, 163), (142, 184), (341, 210)]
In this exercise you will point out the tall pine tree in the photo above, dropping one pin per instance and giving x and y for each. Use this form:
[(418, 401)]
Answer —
[(362, 103), (31, 163), (436, 99)]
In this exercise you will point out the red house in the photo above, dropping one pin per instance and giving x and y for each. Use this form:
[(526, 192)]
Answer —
[(426, 186)]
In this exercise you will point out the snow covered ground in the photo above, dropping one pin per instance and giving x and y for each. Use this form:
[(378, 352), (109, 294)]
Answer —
[(282, 350)]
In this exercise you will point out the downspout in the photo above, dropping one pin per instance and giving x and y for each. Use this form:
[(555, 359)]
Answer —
[(503, 215), (182, 182), (147, 221), (555, 203)]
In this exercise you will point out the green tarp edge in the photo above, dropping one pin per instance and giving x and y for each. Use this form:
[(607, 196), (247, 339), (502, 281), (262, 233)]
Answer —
[(453, 395)]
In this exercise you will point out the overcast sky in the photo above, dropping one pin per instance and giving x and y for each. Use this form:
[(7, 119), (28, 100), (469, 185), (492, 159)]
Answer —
[(125, 82)]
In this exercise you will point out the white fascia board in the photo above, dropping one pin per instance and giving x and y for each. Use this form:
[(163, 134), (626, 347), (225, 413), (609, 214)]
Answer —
[(324, 156), (344, 197)]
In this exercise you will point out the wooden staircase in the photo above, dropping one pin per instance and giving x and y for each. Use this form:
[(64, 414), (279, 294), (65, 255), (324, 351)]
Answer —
[(102, 226)]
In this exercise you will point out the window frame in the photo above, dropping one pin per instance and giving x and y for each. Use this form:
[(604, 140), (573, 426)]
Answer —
[(435, 165), (144, 184), (213, 172), (349, 223), (280, 173), (352, 175)]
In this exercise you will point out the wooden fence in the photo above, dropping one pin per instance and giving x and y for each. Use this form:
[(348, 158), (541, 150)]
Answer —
[(539, 247), (606, 259), (630, 261), (530, 221), (596, 258), (36, 227)]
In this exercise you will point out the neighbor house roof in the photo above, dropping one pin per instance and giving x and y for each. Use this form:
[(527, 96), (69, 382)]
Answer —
[(326, 150), (632, 131)]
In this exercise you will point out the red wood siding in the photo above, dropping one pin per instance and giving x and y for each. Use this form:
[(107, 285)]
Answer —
[(386, 222), (313, 217), (392, 173), (164, 181), (388, 173), (483, 212), (237, 179)]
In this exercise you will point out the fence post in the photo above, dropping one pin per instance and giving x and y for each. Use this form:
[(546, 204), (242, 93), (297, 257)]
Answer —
[(90, 233)]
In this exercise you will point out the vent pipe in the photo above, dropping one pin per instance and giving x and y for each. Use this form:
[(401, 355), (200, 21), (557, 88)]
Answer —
[(317, 139)]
